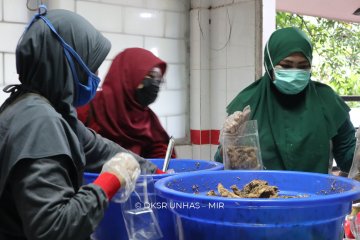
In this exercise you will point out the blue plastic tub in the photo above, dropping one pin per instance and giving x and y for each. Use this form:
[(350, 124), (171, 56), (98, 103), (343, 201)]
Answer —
[(319, 216), (112, 227)]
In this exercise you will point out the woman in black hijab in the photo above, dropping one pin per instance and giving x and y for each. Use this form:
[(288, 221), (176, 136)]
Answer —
[(44, 149)]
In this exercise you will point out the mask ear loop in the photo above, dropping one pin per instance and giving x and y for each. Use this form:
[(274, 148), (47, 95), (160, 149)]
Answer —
[(42, 10), (69, 53), (267, 49)]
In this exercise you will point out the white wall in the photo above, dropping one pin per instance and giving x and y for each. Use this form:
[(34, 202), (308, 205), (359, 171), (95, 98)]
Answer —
[(225, 45), (232, 54), (269, 26), (13, 18), (200, 41)]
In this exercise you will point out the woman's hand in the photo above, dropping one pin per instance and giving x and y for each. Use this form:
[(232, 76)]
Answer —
[(126, 169), (235, 120)]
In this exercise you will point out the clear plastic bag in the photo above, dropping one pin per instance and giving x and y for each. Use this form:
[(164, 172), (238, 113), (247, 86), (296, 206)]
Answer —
[(354, 172), (140, 219), (354, 226), (242, 149), (354, 220)]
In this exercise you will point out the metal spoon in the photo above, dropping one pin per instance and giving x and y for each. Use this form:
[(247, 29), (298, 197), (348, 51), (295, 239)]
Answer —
[(169, 151)]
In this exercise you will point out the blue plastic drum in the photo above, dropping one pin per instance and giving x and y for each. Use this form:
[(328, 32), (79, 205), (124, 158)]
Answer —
[(318, 215), (112, 227)]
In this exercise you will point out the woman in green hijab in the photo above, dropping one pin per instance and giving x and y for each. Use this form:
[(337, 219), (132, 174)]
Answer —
[(303, 124)]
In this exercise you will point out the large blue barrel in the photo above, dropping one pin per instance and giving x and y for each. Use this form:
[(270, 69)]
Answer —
[(317, 215), (112, 227)]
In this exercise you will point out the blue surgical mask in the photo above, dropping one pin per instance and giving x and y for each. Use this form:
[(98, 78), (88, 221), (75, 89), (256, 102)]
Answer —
[(291, 81), (83, 92)]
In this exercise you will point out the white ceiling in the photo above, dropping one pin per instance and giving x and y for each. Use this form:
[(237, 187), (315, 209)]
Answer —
[(332, 9)]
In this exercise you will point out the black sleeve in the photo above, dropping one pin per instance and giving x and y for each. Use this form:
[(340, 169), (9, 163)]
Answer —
[(47, 203), (98, 150), (344, 146)]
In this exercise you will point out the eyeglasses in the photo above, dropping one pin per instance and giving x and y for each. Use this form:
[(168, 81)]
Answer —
[(158, 79), (148, 81)]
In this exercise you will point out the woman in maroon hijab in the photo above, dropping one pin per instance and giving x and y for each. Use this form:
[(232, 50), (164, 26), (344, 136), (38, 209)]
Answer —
[(120, 110)]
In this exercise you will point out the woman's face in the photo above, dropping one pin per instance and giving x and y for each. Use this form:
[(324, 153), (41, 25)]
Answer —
[(147, 91), (295, 60), (156, 74)]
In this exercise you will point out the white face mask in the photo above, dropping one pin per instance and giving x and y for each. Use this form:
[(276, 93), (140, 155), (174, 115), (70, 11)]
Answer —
[(289, 81)]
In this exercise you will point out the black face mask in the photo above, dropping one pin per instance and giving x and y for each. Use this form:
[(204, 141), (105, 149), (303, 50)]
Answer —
[(148, 94)]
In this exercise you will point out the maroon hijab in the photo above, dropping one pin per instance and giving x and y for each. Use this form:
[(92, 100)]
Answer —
[(115, 110)]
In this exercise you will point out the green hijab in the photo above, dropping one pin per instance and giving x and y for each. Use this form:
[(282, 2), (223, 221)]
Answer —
[(294, 130)]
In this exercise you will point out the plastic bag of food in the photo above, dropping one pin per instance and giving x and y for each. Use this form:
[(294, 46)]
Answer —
[(241, 150), (355, 166)]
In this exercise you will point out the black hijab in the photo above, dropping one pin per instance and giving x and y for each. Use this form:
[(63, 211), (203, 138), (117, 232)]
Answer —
[(41, 62), (32, 128)]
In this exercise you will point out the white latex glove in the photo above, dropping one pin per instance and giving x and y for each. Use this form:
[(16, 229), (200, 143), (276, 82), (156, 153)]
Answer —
[(235, 120), (127, 170)]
